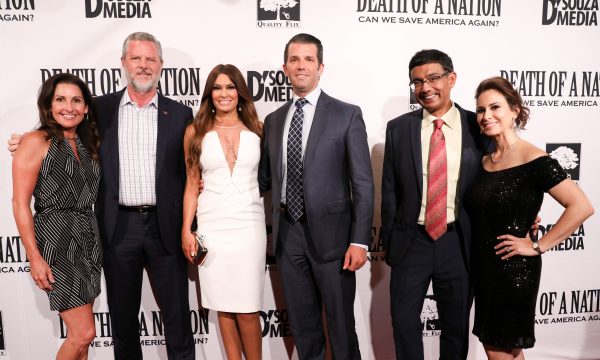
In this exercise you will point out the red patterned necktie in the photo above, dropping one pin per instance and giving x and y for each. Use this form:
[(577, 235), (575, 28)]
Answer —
[(437, 186)]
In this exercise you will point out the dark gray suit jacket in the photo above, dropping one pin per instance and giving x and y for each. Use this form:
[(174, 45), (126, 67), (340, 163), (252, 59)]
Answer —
[(337, 177), (402, 181)]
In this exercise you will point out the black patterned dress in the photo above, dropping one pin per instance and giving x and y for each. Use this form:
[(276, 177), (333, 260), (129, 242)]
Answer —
[(66, 231), (507, 202)]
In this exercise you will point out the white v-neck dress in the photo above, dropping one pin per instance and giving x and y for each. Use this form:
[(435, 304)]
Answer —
[(231, 216)]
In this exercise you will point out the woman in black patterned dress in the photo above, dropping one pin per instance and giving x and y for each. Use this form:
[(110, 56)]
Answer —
[(58, 165), (504, 201)]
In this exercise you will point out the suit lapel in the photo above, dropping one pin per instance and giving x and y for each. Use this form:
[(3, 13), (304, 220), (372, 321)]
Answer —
[(277, 139), (415, 144), (111, 143), (318, 124), (161, 135), (467, 152)]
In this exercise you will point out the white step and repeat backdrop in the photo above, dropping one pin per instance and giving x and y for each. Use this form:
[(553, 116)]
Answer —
[(548, 49)]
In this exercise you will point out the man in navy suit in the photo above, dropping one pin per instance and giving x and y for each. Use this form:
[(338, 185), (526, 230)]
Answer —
[(316, 162), (139, 205), (417, 257)]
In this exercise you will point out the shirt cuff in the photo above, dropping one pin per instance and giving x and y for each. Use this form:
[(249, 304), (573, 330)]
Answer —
[(365, 247)]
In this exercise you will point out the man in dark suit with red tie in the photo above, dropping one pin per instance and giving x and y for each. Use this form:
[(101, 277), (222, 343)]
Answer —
[(139, 205), (315, 159), (431, 158)]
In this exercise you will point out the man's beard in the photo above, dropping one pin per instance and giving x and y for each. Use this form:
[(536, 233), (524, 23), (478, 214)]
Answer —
[(141, 86)]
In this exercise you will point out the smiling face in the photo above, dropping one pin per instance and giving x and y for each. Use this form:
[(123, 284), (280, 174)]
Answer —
[(68, 107), (494, 115), (302, 67), (435, 98), (224, 95), (142, 65)]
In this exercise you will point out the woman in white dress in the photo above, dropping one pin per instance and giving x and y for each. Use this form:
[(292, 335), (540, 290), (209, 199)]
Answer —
[(222, 147)]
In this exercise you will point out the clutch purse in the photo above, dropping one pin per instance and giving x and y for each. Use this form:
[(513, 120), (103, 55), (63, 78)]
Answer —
[(202, 251)]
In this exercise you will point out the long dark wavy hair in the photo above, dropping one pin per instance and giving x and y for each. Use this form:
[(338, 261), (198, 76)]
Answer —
[(205, 119), (86, 130)]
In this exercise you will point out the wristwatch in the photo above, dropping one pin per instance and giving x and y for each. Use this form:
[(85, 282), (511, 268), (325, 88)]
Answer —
[(536, 246)]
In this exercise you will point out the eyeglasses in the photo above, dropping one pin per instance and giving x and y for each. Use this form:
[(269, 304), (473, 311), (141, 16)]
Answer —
[(432, 79)]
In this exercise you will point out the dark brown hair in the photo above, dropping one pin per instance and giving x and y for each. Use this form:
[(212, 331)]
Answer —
[(303, 38), (205, 119), (512, 96), (86, 130), (430, 56)]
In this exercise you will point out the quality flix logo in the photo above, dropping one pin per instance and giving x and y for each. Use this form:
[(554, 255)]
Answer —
[(568, 156), (430, 317), (278, 13), (412, 100)]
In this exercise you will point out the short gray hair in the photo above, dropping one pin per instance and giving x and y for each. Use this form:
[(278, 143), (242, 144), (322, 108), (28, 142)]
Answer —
[(142, 36)]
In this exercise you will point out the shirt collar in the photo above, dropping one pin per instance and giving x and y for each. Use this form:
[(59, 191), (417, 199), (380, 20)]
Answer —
[(450, 118), (126, 100), (312, 96)]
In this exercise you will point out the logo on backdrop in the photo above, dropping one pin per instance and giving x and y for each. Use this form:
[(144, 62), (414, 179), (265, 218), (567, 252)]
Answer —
[(549, 88), (119, 9), (574, 242), (11, 10), (278, 13), (568, 156), (275, 323), (180, 84), (375, 251), (269, 86), (151, 328), (481, 13), (570, 12), (413, 104), (13, 258), (555, 307), (2, 343), (430, 317)]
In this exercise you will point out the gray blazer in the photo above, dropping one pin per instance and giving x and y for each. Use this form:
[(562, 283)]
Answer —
[(337, 177)]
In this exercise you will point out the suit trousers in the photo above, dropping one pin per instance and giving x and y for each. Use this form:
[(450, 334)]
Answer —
[(309, 286), (136, 245), (442, 263)]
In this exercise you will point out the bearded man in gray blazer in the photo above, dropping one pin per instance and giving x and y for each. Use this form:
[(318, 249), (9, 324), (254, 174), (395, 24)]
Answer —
[(315, 159)]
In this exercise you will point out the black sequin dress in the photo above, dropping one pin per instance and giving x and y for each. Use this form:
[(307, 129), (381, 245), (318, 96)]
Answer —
[(507, 202)]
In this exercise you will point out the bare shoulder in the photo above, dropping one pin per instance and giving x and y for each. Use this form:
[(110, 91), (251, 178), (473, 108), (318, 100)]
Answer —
[(32, 149), (531, 152), (35, 140)]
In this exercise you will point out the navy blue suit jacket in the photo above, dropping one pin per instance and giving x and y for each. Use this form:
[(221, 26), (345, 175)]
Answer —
[(402, 181), (173, 118)]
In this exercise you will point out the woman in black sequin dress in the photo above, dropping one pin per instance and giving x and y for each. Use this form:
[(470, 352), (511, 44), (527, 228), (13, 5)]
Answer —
[(504, 201)]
